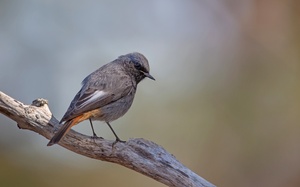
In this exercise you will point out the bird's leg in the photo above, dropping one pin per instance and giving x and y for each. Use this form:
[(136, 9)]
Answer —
[(117, 138), (94, 134)]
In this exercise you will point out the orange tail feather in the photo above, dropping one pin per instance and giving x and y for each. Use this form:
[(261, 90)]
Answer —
[(62, 131)]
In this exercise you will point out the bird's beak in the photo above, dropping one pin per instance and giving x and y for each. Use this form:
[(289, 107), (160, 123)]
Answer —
[(149, 76)]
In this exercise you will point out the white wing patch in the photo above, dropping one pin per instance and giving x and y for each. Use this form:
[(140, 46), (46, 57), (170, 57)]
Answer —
[(93, 97)]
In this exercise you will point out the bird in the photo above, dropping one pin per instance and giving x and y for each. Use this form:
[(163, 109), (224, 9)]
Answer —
[(106, 94)]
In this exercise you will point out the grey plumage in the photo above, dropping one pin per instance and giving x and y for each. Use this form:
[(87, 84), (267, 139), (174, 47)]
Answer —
[(107, 93), (118, 79)]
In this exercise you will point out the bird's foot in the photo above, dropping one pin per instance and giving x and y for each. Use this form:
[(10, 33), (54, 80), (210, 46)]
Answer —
[(118, 140), (95, 136)]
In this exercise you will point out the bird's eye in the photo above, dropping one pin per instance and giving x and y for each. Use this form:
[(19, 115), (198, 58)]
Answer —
[(137, 65)]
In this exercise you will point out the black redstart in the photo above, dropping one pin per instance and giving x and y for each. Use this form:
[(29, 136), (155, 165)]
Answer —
[(106, 94)]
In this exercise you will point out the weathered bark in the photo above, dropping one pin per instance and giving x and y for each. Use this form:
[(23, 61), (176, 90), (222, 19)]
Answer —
[(140, 155)]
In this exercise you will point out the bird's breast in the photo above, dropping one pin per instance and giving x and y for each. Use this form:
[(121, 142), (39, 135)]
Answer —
[(116, 109)]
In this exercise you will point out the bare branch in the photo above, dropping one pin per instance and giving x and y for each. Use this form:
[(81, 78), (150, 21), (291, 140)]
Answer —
[(140, 155)]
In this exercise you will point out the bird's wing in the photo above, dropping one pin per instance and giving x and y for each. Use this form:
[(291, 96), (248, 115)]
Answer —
[(97, 91)]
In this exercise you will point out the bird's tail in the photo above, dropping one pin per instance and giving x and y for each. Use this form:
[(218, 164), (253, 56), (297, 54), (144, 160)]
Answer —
[(62, 131)]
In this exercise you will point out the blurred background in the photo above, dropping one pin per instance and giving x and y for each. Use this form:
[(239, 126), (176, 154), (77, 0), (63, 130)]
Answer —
[(225, 101)]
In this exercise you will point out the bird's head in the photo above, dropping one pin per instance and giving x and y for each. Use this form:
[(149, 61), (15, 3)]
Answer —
[(137, 65)]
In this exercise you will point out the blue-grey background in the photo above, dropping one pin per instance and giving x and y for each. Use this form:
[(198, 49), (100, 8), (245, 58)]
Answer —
[(225, 101)]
